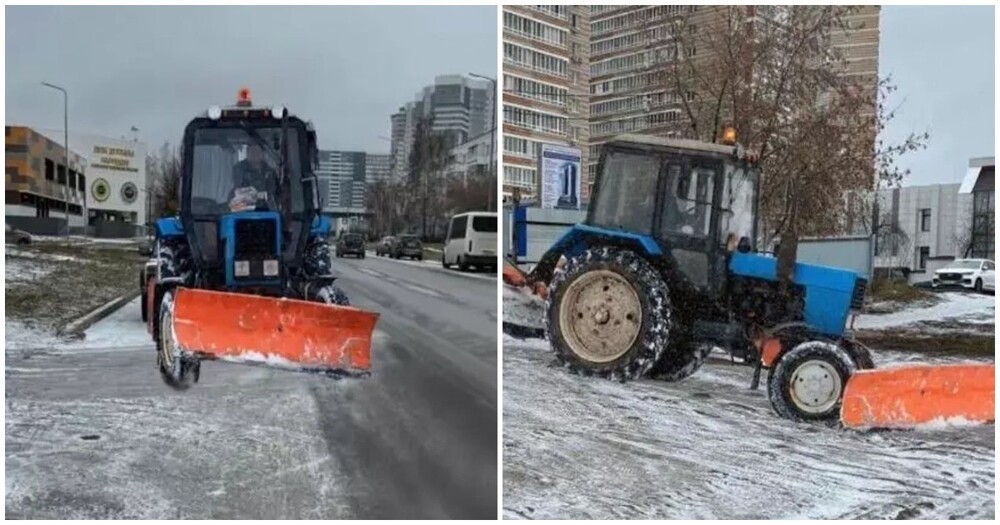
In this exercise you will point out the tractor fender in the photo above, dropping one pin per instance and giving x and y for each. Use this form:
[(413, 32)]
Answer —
[(582, 237)]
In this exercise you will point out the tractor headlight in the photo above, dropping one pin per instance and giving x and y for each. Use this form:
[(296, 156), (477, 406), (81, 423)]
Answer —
[(214, 112), (271, 267), (242, 268)]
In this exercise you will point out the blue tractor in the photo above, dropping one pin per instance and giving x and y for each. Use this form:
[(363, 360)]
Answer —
[(664, 268), (243, 273)]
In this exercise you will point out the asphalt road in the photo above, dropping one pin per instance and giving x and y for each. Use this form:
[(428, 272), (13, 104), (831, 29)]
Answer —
[(91, 432)]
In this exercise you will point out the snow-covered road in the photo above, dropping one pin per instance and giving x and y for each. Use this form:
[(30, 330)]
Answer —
[(710, 448), (92, 432)]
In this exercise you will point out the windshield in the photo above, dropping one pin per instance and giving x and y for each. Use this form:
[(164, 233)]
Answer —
[(966, 264), (738, 197), (236, 169), (626, 193), (484, 224)]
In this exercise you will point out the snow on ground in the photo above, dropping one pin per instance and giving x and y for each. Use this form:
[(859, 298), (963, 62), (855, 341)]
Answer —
[(12, 252), (709, 448), (19, 271), (957, 306), (521, 307), (120, 330)]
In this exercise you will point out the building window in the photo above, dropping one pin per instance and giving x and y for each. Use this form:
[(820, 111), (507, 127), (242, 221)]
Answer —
[(534, 120), (61, 174), (925, 252), (531, 59), (82, 182), (534, 30), (50, 170), (523, 87), (925, 220), (517, 176)]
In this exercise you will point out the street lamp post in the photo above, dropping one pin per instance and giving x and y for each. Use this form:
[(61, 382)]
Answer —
[(493, 132), (65, 152)]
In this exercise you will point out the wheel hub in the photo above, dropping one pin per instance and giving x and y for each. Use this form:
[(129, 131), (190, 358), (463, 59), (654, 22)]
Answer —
[(600, 316), (815, 386)]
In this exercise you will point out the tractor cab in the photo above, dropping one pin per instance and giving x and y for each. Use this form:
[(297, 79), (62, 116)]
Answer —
[(696, 201), (248, 193)]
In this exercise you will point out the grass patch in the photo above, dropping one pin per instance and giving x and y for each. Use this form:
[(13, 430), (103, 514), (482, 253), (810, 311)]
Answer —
[(884, 291), (78, 278), (966, 345)]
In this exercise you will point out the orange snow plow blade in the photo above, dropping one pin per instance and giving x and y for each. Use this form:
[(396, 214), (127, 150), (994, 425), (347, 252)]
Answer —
[(515, 277), (286, 333), (912, 395)]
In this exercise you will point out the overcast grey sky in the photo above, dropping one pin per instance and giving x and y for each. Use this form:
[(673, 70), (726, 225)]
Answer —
[(348, 68), (345, 68), (942, 60)]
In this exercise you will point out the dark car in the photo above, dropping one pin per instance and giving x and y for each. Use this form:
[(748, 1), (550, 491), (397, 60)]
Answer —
[(15, 236), (408, 246), (351, 244), (384, 247)]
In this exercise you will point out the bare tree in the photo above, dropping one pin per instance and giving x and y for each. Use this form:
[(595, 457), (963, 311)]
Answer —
[(773, 74), (163, 168)]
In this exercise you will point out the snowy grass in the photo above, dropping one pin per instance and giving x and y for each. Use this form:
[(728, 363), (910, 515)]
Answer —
[(49, 284)]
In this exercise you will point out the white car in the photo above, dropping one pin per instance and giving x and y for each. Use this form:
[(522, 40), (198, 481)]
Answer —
[(976, 274)]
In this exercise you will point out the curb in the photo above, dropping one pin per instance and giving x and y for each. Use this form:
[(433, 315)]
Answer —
[(76, 327)]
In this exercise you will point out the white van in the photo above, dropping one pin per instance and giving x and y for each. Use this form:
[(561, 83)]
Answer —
[(471, 241)]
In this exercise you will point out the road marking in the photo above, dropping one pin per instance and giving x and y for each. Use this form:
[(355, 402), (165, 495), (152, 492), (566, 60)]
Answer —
[(372, 272), (422, 290), (436, 266)]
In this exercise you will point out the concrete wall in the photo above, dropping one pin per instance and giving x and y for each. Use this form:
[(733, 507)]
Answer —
[(38, 225)]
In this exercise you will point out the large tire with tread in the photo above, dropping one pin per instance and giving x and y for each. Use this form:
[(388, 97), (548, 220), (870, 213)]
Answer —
[(177, 370), (330, 294), (683, 359), (807, 383), (609, 295)]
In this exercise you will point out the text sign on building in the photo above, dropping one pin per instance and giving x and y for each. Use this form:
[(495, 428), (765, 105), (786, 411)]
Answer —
[(559, 177), (113, 158)]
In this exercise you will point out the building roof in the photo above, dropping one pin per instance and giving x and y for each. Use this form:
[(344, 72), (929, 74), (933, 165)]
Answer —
[(981, 175), (671, 142)]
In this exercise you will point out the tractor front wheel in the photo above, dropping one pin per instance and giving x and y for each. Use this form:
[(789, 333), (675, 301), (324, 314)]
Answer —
[(330, 294), (609, 314), (178, 371), (807, 383)]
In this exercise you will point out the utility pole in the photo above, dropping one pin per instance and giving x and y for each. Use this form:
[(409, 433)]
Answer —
[(65, 153), (493, 133)]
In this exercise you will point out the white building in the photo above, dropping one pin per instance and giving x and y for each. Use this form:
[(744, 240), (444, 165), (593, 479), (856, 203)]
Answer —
[(923, 228), (116, 178), (472, 158)]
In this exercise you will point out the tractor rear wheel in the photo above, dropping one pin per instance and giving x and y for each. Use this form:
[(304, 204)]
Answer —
[(681, 360), (807, 383), (609, 314)]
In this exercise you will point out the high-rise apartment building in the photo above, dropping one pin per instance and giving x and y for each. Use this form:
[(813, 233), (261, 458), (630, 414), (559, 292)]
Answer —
[(342, 182), (630, 45), (457, 106), (377, 167), (545, 86)]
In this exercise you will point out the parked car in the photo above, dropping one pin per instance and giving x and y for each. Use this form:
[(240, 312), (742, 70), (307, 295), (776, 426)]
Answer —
[(408, 246), (147, 273), (351, 244), (384, 247), (472, 240), (15, 236), (975, 274)]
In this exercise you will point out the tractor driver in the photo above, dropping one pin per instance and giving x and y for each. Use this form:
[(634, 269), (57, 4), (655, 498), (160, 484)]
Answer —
[(253, 181)]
